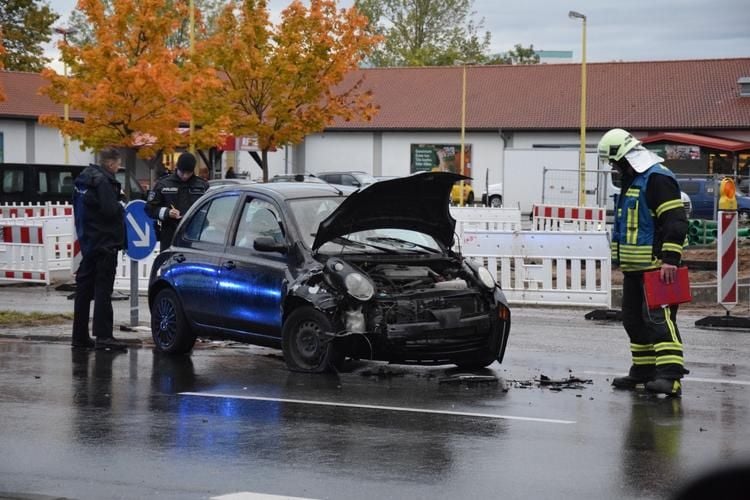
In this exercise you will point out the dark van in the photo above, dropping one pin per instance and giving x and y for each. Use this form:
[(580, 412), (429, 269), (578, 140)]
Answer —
[(40, 183)]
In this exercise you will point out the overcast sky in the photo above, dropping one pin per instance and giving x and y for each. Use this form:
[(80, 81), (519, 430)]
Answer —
[(635, 30)]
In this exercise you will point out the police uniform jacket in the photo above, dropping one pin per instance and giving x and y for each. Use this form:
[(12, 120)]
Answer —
[(168, 192)]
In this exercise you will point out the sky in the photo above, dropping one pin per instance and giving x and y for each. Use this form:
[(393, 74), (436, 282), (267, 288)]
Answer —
[(635, 30)]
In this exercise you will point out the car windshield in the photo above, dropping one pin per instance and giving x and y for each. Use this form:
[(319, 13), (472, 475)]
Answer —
[(310, 212)]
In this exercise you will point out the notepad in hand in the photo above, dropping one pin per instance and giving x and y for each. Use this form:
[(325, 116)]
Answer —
[(660, 294)]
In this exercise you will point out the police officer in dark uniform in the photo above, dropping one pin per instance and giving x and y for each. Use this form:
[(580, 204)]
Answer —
[(173, 195), (100, 226)]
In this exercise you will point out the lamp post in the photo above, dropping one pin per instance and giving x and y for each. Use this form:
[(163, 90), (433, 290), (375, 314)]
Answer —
[(582, 154), (66, 107), (192, 51)]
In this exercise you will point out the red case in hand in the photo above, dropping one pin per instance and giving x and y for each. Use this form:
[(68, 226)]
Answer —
[(660, 294)]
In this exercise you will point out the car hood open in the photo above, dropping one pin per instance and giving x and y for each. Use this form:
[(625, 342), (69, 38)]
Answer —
[(418, 202)]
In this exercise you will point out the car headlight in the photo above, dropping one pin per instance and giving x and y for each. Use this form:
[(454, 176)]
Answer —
[(485, 277), (358, 286)]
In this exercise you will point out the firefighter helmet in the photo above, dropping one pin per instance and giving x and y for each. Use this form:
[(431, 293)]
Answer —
[(616, 143)]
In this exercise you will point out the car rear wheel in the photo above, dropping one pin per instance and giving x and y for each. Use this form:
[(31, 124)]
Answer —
[(743, 217), (470, 199), (169, 328), (307, 343), (496, 201)]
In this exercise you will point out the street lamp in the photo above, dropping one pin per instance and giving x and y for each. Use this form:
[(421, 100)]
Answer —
[(66, 107), (582, 154)]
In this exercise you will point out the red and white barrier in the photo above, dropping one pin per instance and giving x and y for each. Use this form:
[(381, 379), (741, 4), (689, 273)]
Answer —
[(18, 210), (726, 253), (568, 218), (23, 255)]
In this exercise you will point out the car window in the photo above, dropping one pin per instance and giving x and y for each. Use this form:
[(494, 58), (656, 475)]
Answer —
[(12, 180), (259, 219), (210, 223), (348, 180), (56, 181), (308, 213)]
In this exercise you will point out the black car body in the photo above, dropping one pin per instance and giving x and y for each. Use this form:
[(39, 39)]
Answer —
[(324, 274)]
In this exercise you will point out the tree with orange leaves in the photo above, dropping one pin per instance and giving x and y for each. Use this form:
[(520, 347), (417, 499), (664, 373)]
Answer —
[(283, 82), (2, 51), (126, 80)]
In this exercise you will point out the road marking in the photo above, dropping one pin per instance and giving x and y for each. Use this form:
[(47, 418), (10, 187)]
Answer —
[(378, 407), (249, 495), (687, 379)]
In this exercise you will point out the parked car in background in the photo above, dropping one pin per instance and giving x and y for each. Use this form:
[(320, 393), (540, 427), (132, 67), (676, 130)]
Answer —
[(43, 183), (296, 178), (468, 196), (214, 183), (704, 194), (326, 273), (494, 196), (353, 178)]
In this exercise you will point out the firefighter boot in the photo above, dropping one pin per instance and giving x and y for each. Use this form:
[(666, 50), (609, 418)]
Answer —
[(637, 375), (670, 387)]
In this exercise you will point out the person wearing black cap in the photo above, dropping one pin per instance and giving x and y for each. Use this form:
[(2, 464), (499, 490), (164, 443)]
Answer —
[(173, 195)]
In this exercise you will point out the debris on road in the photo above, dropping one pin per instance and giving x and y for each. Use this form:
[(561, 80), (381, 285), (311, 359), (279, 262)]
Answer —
[(572, 382)]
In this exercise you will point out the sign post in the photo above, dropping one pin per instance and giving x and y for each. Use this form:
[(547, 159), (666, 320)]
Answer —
[(141, 242)]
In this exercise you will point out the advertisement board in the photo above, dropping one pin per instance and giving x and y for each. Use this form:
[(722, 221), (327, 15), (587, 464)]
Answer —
[(440, 158)]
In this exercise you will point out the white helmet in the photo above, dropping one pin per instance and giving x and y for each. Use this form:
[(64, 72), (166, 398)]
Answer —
[(616, 143)]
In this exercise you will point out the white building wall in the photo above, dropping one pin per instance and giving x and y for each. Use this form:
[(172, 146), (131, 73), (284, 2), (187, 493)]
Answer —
[(337, 151), (14, 141)]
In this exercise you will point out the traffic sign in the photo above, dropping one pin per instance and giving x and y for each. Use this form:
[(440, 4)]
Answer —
[(140, 230)]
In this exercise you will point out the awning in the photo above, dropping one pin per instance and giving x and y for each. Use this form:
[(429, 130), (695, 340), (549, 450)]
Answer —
[(717, 143)]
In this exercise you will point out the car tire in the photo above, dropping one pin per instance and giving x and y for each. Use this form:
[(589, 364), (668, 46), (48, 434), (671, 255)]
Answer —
[(477, 362), (743, 217), (496, 201), (169, 328), (305, 344), (470, 199)]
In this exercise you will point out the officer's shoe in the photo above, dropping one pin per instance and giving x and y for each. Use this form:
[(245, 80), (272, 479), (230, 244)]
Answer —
[(666, 386), (110, 344), (629, 382), (83, 345)]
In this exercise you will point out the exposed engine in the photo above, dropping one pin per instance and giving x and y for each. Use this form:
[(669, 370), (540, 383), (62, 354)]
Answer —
[(397, 279)]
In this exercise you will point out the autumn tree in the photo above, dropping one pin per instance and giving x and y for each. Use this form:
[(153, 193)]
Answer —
[(519, 55), (125, 81), (2, 52), (425, 33), (282, 82), (26, 26)]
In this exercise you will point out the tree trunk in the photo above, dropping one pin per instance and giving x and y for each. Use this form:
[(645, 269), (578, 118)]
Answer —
[(129, 170)]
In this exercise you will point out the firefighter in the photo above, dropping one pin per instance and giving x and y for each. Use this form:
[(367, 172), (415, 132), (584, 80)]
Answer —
[(173, 195), (648, 233)]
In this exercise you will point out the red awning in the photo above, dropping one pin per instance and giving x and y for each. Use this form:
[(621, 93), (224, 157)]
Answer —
[(718, 143)]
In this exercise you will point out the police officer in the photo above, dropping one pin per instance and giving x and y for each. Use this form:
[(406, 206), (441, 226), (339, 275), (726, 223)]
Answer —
[(648, 234), (100, 226), (173, 195)]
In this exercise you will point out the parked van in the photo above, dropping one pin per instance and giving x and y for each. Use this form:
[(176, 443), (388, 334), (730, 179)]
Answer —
[(41, 183), (704, 193)]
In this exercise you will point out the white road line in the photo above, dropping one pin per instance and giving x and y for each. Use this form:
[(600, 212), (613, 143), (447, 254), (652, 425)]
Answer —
[(378, 407), (687, 379)]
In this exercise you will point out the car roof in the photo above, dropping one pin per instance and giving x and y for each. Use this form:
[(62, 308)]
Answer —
[(288, 190), (329, 172)]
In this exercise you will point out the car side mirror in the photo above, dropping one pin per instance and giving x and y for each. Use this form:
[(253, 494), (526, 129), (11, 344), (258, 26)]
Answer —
[(266, 244)]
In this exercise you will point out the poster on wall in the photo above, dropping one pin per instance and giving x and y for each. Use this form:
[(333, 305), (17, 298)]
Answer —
[(682, 152), (440, 158)]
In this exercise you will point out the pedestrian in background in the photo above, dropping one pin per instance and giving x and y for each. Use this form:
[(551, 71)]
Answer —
[(648, 233), (98, 210), (173, 195)]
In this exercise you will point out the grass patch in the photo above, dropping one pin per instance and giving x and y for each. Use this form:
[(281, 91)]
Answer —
[(15, 318)]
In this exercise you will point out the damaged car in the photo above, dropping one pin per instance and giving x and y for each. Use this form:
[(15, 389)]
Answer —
[(327, 273)]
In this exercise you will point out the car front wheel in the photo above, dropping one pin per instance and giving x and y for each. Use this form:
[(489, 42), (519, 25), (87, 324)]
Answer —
[(496, 201), (169, 328), (307, 342)]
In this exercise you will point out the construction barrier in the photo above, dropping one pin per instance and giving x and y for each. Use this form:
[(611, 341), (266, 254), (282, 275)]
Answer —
[(23, 257), (485, 219), (546, 267), (567, 218), (18, 210), (122, 276), (726, 254)]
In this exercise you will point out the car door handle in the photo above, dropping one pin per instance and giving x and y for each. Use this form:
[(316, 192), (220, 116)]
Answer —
[(229, 264), (179, 258)]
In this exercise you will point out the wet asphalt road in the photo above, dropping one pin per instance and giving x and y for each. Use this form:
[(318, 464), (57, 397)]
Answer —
[(232, 419)]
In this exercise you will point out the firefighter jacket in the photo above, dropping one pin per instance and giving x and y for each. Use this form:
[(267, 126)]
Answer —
[(650, 222), (171, 192), (98, 212)]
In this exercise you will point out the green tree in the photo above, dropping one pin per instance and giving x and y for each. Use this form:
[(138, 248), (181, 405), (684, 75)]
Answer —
[(519, 55), (26, 25), (425, 32)]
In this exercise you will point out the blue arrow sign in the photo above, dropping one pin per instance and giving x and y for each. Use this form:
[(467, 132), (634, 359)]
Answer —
[(140, 229)]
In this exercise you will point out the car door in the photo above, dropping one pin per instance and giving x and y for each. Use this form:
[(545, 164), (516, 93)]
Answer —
[(252, 283), (197, 254), (703, 206)]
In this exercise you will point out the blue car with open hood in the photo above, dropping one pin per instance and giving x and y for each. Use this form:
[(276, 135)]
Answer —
[(325, 273)]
